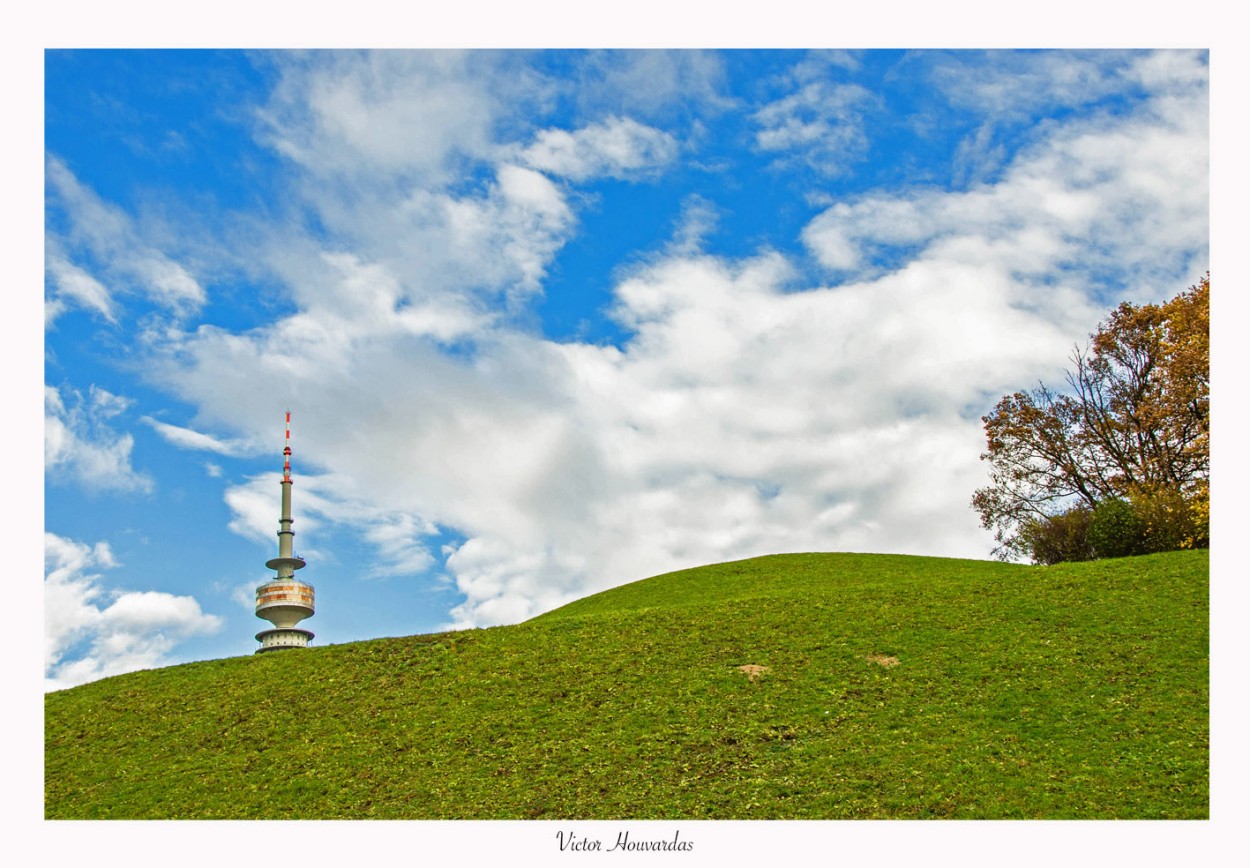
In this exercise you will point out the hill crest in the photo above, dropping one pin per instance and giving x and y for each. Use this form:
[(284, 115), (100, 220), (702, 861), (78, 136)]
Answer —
[(790, 686)]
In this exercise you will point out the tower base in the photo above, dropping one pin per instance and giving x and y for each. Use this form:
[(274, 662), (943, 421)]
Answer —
[(282, 638)]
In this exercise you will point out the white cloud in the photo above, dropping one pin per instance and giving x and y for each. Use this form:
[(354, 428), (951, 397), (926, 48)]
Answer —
[(255, 514), (414, 114), (397, 538), (978, 156), (79, 445), (73, 286), (531, 218), (408, 162), (428, 263), (699, 218), (66, 608), (186, 438), (321, 500), (614, 148), (651, 83), (1127, 196), (821, 124), (1017, 84), (102, 233), (420, 259), (1009, 89), (741, 419), (91, 632)]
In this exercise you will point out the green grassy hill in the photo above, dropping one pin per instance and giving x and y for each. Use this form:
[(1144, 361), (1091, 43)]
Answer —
[(794, 686)]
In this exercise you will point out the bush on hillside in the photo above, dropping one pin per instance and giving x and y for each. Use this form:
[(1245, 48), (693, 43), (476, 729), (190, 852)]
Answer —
[(1059, 538), (1152, 519), (1116, 530), (1170, 520)]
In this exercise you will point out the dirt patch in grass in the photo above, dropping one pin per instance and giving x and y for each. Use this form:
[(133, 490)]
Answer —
[(882, 660), (753, 670)]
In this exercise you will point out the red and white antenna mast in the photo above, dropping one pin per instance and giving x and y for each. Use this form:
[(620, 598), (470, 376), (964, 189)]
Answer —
[(286, 453)]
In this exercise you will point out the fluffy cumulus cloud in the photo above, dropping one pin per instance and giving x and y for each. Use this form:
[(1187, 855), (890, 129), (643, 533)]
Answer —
[(394, 113), (427, 218), (92, 632), (741, 418)]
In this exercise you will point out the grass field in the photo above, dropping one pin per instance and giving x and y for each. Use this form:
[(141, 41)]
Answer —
[(820, 686)]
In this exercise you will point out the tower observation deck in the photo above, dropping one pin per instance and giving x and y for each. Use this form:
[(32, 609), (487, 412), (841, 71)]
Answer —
[(284, 600)]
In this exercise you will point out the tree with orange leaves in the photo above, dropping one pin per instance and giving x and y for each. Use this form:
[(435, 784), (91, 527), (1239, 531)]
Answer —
[(1120, 462)]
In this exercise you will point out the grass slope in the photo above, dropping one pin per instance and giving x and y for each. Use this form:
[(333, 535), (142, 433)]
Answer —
[(1069, 691)]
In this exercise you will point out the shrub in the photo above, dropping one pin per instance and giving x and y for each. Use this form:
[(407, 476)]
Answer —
[(1200, 515), (1152, 519), (1058, 538), (1170, 520), (1116, 530)]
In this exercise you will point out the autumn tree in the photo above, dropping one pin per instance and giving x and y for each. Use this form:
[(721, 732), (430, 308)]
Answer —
[(1119, 461)]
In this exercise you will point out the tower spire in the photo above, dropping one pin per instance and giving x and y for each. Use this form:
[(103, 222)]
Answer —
[(286, 453), (284, 600)]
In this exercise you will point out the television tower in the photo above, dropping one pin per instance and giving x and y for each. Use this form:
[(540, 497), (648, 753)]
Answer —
[(284, 600)]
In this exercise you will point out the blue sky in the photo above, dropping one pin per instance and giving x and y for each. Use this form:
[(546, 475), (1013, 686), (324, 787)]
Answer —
[(552, 321)]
